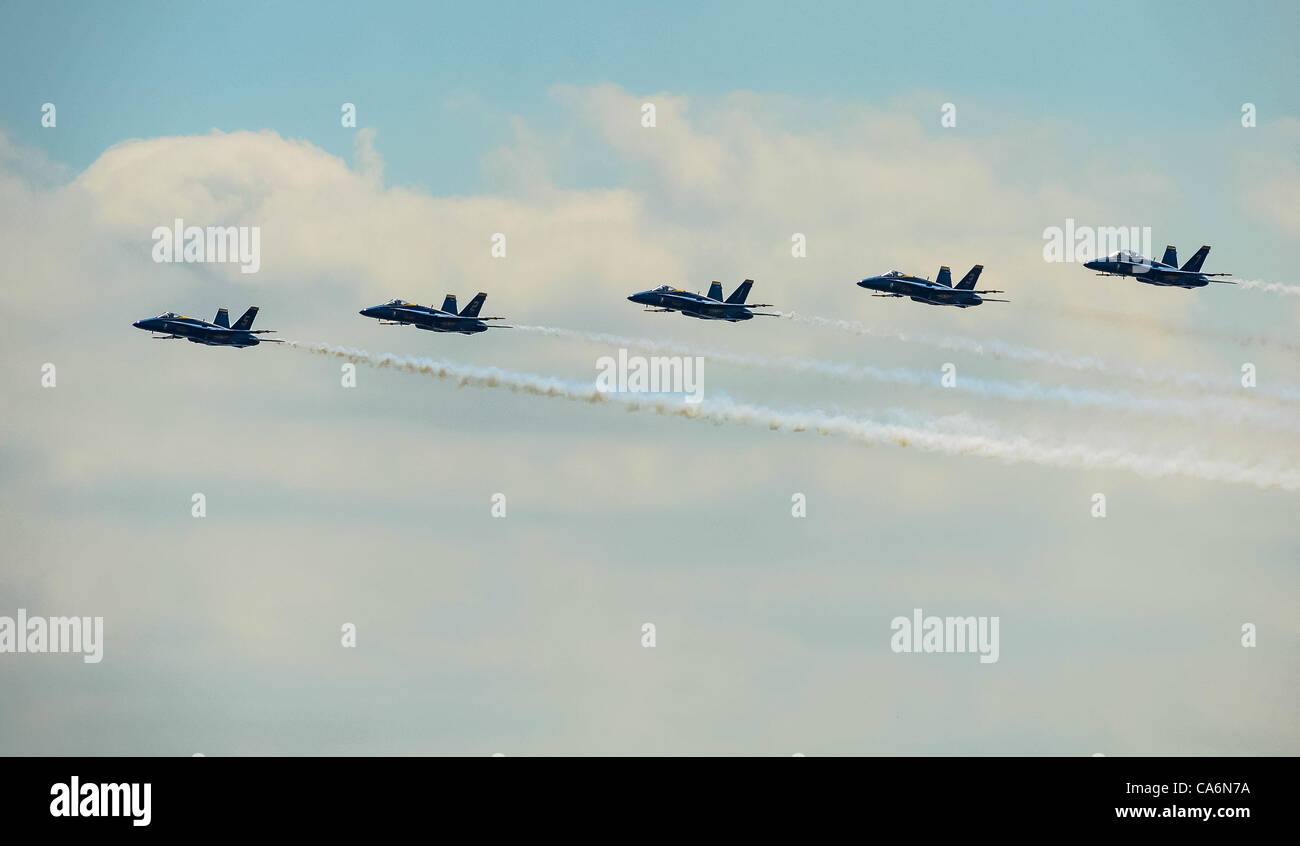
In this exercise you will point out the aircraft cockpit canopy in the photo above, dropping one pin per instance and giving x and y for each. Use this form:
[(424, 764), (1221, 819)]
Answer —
[(166, 315), (663, 289), (1126, 255), (894, 273)]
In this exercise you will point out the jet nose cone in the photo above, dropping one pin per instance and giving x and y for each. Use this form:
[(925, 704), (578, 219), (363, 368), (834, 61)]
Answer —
[(137, 324), (1091, 265)]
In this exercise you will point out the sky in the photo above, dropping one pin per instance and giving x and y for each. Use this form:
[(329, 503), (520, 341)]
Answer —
[(523, 634)]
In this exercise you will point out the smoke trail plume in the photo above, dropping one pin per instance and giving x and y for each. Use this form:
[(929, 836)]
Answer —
[(999, 349), (1226, 409), (1014, 450), (1151, 324), (1269, 287)]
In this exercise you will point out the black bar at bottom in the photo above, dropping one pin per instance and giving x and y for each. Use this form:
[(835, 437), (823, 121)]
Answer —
[(333, 795)]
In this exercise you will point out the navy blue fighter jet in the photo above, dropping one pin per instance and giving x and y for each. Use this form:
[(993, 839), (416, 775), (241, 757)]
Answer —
[(711, 307), (218, 333), (445, 319), (895, 283), (1166, 273)]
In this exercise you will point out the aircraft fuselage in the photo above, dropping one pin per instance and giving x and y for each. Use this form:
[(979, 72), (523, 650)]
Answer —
[(425, 317), (921, 291), (693, 305), (198, 331), (1153, 273)]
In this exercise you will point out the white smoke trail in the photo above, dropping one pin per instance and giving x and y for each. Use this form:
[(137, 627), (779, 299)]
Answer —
[(970, 345), (1014, 450), (1151, 324), (1269, 287), (998, 349), (1226, 409)]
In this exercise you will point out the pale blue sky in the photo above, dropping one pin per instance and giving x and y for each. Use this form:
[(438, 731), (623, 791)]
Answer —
[(119, 71)]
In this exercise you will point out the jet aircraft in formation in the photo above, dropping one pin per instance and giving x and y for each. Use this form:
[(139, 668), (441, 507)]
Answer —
[(710, 307), (445, 319), (218, 333), (1165, 273), (895, 283)]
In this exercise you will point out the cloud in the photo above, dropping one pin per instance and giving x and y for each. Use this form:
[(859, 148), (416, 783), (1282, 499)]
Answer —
[(366, 160), (323, 221)]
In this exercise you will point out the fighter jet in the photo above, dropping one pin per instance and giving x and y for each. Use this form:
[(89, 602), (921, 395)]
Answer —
[(895, 283), (218, 333), (1165, 273), (445, 319), (712, 307)]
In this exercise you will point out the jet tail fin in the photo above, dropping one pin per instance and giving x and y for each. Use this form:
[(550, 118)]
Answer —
[(472, 307), (1194, 263), (945, 276), (968, 281), (222, 319), (246, 321), (1170, 257), (449, 304), (742, 291), (715, 291)]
